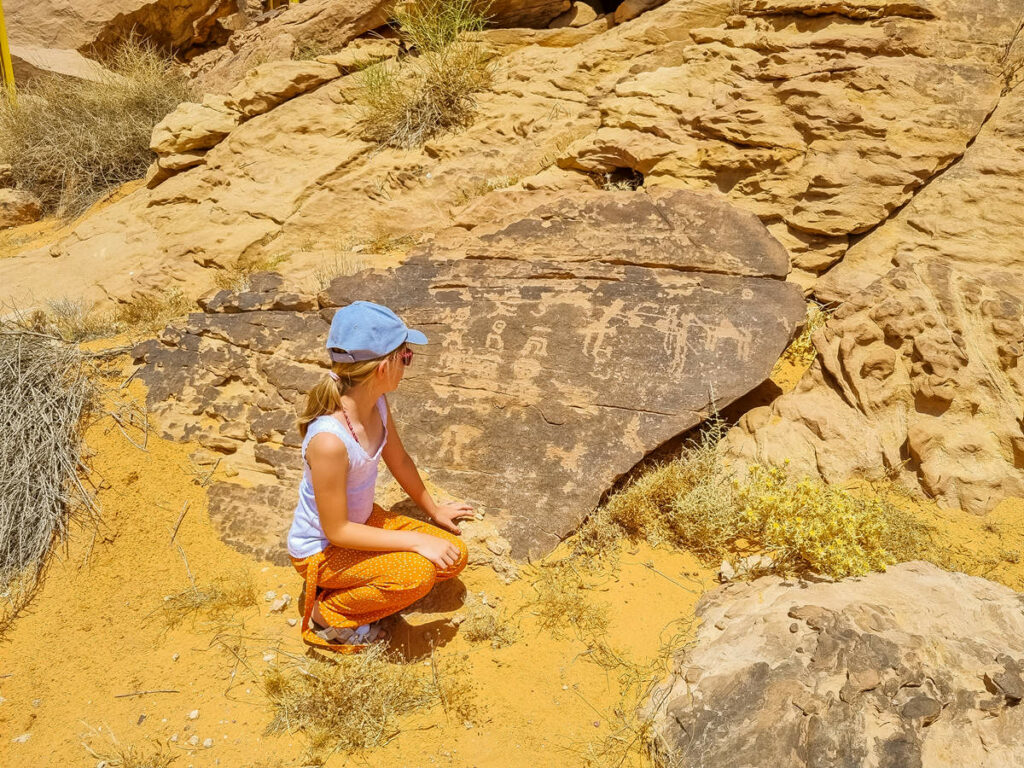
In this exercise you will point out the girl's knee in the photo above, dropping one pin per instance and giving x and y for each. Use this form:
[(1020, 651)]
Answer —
[(417, 573)]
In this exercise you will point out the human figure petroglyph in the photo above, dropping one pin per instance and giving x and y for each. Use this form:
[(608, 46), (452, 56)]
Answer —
[(494, 340), (595, 334)]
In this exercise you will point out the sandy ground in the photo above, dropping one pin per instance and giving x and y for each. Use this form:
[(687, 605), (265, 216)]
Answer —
[(94, 634)]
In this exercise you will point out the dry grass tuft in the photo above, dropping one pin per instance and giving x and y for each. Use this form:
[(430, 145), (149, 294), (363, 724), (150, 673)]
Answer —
[(118, 755), (483, 623), (346, 703), (218, 603), (803, 525), (410, 101), (801, 351), (562, 601), (71, 141), (44, 393), (150, 312), (238, 278)]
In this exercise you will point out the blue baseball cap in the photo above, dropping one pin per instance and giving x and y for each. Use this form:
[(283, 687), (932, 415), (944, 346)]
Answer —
[(365, 331)]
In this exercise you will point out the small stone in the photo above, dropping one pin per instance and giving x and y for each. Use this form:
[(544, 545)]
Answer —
[(22, 739), (207, 743), (794, 627), (175, 656), (269, 657), (193, 740), (292, 622), (193, 715), (174, 738), (726, 572), (36, 703), (597, 723), (467, 725), (565, 687), (281, 603), (271, 594), (922, 707)]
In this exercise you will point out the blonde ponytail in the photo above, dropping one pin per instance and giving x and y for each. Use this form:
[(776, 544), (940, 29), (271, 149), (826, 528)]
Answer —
[(325, 398)]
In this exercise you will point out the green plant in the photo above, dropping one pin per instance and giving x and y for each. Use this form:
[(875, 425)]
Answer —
[(410, 101), (71, 141), (801, 350)]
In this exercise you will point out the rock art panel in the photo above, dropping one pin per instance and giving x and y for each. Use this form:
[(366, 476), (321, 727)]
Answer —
[(565, 344), (919, 376), (848, 674)]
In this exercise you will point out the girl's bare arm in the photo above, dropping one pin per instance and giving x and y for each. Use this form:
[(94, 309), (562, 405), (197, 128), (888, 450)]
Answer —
[(328, 464)]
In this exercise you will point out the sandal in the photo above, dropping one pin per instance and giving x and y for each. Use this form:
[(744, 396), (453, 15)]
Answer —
[(354, 637)]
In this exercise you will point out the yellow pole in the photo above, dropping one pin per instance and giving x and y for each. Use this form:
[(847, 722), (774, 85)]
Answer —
[(6, 67)]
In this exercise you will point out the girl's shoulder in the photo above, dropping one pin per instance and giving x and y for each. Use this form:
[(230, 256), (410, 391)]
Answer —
[(321, 424)]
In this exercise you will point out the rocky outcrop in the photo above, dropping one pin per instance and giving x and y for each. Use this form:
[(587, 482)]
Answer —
[(97, 28), (918, 376), (565, 345), (314, 24), (18, 207), (822, 118), (967, 215), (913, 667)]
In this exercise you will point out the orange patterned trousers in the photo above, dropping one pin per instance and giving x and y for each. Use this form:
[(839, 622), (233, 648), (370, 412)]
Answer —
[(358, 587)]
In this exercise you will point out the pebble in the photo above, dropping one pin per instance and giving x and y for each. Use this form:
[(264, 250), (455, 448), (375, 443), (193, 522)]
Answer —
[(175, 656), (22, 739), (292, 622), (174, 738), (193, 740), (269, 657), (467, 725), (207, 743), (281, 603), (271, 594), (193, 715), (36, 703)]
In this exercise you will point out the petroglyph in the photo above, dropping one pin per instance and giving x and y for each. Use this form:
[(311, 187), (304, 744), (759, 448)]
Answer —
[(535, 392)]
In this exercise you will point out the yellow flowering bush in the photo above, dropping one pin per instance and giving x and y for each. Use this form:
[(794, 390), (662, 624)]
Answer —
[(804, 525)]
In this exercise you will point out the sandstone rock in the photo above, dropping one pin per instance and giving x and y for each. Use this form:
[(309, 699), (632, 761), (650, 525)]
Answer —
[(525, 13), (890, 669), (18, 207), (6, 176), (270, 84), (918, 375), (579, 15), (583, 334), (968, 214), (630, 9), (320, 23), (87, 26), (361, 53), (32, 61), (193, 126)]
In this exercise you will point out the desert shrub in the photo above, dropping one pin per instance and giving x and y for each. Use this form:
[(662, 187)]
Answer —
[(350, 702), (483, 623), (804, 525), (218, 602), (117, 754), (44, 392), (409, 101), (151, 312), (562, 601), (801, 350), (70, 141)]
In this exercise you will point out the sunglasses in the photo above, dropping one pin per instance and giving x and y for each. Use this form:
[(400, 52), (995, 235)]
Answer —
[(406, 356)]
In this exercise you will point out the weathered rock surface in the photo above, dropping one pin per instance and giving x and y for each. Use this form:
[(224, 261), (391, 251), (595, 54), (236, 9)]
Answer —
[(87, 26), (324, 24), (565, 345), (18, 207), (32, 61), (918, 375), (913, 667), (267, 86), (971, 214), (194, 126)]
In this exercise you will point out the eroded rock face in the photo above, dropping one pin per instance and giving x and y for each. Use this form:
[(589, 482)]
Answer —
[(913, 667), (18, 207), (565, 345), (919, 375)]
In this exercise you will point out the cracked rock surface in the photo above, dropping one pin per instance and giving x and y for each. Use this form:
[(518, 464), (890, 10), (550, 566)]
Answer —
[(850, 674), (565, 344), (918, 375)]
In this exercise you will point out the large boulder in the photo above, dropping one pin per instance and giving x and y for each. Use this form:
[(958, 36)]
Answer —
[(565, 344), (91, 27), (909, 668), (917, 376)]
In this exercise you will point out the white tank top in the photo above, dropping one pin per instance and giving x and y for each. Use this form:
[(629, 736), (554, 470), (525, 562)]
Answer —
[(306, 536)]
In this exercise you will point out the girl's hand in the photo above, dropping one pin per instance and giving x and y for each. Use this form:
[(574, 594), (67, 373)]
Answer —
[(440, 552), (449, 513)]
